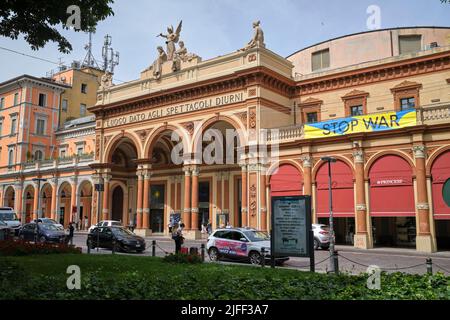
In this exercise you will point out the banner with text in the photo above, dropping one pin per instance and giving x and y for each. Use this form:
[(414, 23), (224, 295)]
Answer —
[(367, 123)]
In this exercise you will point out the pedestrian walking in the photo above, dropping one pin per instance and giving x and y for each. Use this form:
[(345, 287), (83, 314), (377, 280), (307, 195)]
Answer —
[(170, 225), (71, 230), (209, 228), (177, 236)]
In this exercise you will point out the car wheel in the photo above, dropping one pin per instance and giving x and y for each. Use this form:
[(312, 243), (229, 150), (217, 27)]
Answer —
[(316, 244), (140, 251), (213, 254), (325, 247), (255, 258)]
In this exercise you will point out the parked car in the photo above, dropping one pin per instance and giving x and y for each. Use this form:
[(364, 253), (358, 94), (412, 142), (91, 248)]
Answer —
[(5, 231), (321, 236), (8, 216), (46, 233), (105, 223), (240, 244), (50, 221), (120, 237)]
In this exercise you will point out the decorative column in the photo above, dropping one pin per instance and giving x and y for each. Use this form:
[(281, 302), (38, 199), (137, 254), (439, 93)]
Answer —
[(73, 199), (54, 184), (35, 201), (187, 198), (226, 195), (244, 196), (424, 240), (263, 201), (140, 192), (361, 239), (106, 183), (194, 201), (307, 181), (146, 201), (18, 189)]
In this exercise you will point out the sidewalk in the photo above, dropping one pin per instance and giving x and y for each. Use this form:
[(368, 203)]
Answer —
[(393, 251)]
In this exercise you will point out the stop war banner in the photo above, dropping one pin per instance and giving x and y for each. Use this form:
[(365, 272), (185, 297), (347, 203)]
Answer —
[(357, 124)]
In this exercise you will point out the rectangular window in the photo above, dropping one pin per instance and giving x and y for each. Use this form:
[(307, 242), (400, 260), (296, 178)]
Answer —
[(42, 100), (16, 99), (356, 111), (65, 104), (407, 103), (82, 109), (84, 88), (80, 151), (410, 44), (62, 153), (40, 127), (321, 60), (13, 125), (311, 117), (2, 103)]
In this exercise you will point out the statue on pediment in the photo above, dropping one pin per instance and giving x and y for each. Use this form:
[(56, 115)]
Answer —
[(172, 38), (258, 37), (106, 81), (182, 55)]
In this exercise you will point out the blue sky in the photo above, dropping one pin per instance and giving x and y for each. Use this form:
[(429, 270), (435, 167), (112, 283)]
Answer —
[(217, 27)]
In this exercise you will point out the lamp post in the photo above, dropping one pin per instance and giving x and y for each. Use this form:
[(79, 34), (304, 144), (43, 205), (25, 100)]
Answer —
[(38, 181), (333, 258), (99, 187)]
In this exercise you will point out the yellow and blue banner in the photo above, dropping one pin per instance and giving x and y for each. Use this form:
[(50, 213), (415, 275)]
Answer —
[(357, 124)]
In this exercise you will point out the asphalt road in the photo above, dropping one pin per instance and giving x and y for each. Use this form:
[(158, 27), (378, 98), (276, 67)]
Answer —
[(351, 260)]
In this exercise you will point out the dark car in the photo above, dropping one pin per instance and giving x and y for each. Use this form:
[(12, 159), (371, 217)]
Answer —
[(46, 233), (5, 231), (122, 238)]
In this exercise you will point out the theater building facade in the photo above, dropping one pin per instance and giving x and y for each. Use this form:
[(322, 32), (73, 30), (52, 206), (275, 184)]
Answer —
[(212, 141)]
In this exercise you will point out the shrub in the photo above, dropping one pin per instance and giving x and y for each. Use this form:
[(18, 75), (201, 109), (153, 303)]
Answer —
[(23, 248), (183, 258)]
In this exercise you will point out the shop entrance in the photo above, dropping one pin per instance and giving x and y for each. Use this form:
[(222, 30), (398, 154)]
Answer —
[(344, 229), (117, 204), (157, 208), (394, 232), (443, 234), (203, 204)]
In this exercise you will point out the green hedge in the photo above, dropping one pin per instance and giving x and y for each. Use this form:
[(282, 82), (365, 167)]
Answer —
[(125, 277), (24, 248)]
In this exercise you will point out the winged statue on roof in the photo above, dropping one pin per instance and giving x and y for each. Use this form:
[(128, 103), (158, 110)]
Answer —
[(172, 38)]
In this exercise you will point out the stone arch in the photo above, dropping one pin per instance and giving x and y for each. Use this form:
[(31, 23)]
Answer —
[(436, 154), (274, 167), (46, 199), (286, 179), (380, 154), (7, 200), (114, 185), (236, 124), (117, 140), (319, 164), (64, 200), (156, 134), (28, 201)]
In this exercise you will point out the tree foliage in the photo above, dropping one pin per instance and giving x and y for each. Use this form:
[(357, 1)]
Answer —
[(37, 21)]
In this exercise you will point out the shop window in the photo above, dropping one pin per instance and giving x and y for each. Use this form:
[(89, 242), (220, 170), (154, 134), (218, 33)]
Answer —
[(407, 103), (356, 111), (321, 60), (410, 44), (42, 100)]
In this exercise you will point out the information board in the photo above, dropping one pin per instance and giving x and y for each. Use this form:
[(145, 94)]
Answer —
[(291, 226)]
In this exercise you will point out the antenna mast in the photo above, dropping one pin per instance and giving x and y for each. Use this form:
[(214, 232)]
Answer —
[(89, 60), (110, 57)]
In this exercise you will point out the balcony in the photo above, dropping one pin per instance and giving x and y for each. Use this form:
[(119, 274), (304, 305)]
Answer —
[(428, 115)]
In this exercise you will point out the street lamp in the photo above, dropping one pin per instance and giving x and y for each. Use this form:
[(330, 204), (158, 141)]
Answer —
[(38, 181), (99, 187), (333, 258)]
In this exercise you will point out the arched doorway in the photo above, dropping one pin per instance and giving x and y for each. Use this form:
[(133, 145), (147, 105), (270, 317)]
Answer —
[(28, 202), (64, 204), (9, 198), (117, 204), (85, 210), (46, 200), (393, 221), (440, 175), (286, 181), (343, 200)]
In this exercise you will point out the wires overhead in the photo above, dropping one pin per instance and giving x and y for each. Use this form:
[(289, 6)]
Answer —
[(30, 56)]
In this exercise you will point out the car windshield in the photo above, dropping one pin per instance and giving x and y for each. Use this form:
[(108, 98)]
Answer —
[(8, 216), (122, 232), (2, 223), (49, 221), (325, 228), (114, 223), (254, 236), (50, 227)]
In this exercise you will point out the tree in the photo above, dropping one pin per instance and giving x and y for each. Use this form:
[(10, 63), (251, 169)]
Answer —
[(37, 20)]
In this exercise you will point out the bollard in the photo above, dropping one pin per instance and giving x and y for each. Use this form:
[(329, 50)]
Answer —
[(153, 248), (429, 266), (202, 248), (263, 256), (113, 246), (336, 262), (89, 246)]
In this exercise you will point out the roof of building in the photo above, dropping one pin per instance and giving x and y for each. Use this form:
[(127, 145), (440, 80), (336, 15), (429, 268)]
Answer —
[(26, 76), (364, 32)]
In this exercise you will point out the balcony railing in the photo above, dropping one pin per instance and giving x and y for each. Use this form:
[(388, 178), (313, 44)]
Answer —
[(432, 114)]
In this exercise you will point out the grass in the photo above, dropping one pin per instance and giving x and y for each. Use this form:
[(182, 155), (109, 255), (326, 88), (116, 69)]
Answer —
[(138, 277)]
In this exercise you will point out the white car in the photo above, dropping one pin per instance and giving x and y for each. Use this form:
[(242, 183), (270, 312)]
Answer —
[(321, 236), (105, 223), (8, 216), (240, 244)]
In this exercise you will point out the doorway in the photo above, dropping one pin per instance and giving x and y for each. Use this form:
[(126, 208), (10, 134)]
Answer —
[(394, 231), (117, 204), (157, 197), (203, 204), (344, 229)]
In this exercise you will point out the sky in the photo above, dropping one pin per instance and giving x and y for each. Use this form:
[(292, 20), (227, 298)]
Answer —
[(217, 27)]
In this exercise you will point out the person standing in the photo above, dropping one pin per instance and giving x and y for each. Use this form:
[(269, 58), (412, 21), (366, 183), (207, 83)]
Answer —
[(178, 238), (71, 230)]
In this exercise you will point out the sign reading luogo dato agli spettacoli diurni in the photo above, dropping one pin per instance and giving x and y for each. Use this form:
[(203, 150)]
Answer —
[(358, 124)]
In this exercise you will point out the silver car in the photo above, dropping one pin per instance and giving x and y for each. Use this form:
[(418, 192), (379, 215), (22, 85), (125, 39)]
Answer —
[(321, 236), (240, 244), (8, 216)]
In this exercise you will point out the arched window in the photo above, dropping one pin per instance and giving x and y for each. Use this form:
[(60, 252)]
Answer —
[(10, 157), (38, 155)]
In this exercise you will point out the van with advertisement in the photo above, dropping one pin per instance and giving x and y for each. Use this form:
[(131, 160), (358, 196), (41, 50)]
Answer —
[(8, 216)]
